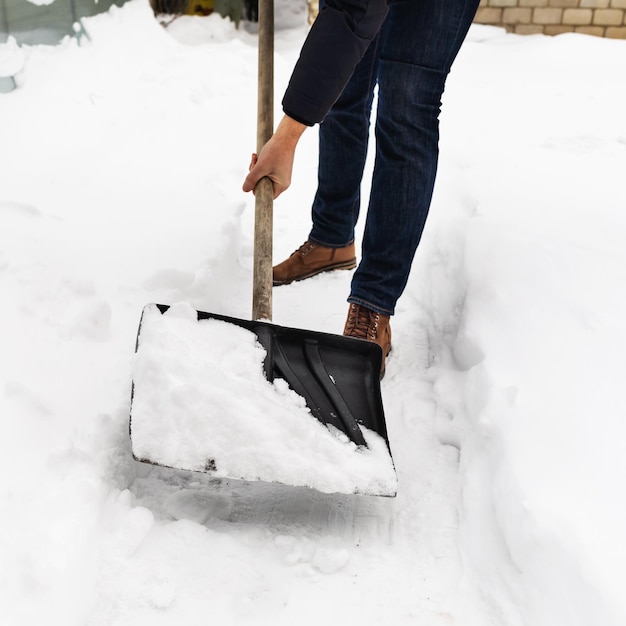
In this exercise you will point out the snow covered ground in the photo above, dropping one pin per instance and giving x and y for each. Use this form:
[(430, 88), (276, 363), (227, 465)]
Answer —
[(121, 162)]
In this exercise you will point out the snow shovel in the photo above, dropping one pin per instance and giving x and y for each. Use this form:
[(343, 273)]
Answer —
[(341, 428)]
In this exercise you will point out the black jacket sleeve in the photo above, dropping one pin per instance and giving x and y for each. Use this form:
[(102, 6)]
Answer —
[(336, 42)]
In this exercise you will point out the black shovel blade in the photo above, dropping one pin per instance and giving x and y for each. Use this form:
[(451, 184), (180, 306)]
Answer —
[(338, 377)]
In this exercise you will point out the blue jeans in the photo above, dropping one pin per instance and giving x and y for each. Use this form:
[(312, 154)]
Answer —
[(409, 60)]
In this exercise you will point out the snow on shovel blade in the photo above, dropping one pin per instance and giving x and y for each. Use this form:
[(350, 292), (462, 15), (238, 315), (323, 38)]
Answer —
[(259, 402)]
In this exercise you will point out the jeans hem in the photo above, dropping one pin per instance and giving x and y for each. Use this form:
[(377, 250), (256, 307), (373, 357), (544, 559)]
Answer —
[(370, 305), (329, 245)]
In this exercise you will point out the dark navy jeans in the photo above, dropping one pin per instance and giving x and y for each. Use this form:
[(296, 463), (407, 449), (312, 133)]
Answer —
[(409, 60)]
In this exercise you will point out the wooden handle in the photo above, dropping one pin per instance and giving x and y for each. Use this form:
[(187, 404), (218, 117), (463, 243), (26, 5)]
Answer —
[(264, 191)]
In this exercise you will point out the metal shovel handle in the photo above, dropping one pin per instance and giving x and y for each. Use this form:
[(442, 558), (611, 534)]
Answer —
[(264, 191)]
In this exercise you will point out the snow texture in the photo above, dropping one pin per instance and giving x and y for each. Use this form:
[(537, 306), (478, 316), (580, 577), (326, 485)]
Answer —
[(121, 165), (189, 412)]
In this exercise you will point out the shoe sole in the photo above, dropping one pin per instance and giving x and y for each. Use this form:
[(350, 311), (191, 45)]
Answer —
[(346, 265)]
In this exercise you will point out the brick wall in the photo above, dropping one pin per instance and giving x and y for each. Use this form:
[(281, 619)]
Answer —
[(604, 18)]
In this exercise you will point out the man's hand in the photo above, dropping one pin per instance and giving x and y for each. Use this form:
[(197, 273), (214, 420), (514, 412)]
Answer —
[(276, 158)]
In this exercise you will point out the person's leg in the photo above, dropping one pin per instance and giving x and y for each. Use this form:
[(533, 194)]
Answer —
[(343, 140), (418, 46)]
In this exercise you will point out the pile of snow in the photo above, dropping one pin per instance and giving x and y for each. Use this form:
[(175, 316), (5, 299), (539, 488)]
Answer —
[(189, 412), (122, 161)]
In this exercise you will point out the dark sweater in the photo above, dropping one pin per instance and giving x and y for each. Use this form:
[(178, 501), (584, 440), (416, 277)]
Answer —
[(337, 41)]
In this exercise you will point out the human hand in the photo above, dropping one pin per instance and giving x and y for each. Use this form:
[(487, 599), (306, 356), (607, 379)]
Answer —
[(275, 161)]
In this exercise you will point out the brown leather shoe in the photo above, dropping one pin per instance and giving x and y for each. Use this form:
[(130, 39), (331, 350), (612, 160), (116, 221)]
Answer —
[(364, 323), (311, 259)]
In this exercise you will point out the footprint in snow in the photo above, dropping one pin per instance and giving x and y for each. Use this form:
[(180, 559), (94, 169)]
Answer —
[(19, 209)]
